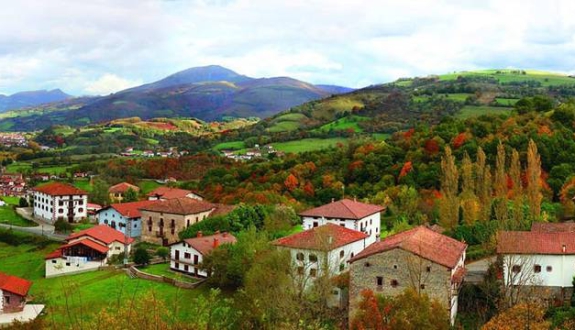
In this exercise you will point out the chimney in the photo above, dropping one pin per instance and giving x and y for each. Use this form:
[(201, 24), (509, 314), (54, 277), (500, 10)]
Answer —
[(225, 234), (564, 248), (330, 240), (333, 200), (199, 234), (216, 242)]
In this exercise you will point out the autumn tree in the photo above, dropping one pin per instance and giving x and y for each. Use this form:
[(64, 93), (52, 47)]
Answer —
[(469, 201), (500, 186), (291, 182), (130, 196), (449, 203), (533, 173), (521, 316), (517, 189), (483, 185)]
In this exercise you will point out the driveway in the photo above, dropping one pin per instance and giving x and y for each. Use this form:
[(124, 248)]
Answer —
[(477, 270), (42, 228)]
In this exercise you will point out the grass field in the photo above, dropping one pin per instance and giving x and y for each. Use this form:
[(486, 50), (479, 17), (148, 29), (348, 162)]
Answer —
[(9, 216), (380, 136), (164, 270), (345, 123), (232, 145), (83, 184), (148, 185), (308, 144), (506, 76), (284, 126), (458, 97), (73, 299), (475, 111), (506, 102), (21, 167)]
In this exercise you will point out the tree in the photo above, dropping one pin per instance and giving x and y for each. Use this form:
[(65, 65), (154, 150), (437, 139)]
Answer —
[(483, 185), (291, 182), (449, 205), (23, 202), (141, 256), (533, 173), (515, 174), (130, 196), (469, 202), (500, 183), (100, 193), (521, 316), (163, 252)]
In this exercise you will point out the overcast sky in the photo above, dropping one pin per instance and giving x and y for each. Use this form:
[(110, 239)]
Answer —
[(102, 46)]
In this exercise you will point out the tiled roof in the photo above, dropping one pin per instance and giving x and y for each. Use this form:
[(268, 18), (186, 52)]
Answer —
[(103, 234), (549, 227), (169, 193), (59, 189), (182, 205), (93, 206), (205, 244), (122, 187), (222, 209), (533, 242), (88, 243), (54, 255), (423, 242), (325, 238), (343, 209), (132, 209), (14, 284)]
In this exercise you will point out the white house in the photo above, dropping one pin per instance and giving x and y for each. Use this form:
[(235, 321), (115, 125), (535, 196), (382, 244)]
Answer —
[(58, 200), (119, 215), (543, 261), (323, 250), (167, 193), (186, 256), (347, 213), (87, 250)]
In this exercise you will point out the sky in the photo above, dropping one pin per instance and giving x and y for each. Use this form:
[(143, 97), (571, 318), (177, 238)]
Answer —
[(99, 47)]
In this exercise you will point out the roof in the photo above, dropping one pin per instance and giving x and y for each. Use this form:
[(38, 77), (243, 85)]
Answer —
[(14, 284), (53, 255), (534, 242), (205, 244), (327, 237), (130, 210), (88, 243), (170, 193), (59, 189), (102, 233), (548, 227), (182, 205), (122, 187), (420, 241), (93, 206), (343, 209)]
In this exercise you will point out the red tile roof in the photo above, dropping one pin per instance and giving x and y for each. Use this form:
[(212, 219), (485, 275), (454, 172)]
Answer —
[(59, 189), (54, 255), (122, 187), (423, 242), (548, 227), (169, 193), (325, 238), (132, 209), (88, 243), (205, 244), (182, 205), (343, 209), (533, 242), (14, 284), (102, 233)]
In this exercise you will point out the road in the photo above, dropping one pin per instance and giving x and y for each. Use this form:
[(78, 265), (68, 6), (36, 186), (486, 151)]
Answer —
[(477, 270), (42, 229)]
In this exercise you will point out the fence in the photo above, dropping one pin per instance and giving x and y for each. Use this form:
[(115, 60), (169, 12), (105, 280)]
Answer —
[(157, 278)]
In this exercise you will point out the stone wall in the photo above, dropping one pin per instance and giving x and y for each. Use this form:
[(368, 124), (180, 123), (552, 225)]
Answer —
[(157, 278)]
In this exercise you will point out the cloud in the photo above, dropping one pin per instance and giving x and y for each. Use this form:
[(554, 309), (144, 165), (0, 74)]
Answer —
[(110, 83)]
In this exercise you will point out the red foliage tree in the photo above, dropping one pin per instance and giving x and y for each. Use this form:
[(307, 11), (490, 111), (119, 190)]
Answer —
[(291, 182), (459, 140), (431, 147), (407, 167)]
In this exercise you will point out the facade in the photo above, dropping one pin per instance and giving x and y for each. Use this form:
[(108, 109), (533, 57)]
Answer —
[(118, 216), (162, 221), (13, 293), (419, 258), (58, 200), (347, 213), (166, 193), (541, 261), (118, 191), (186, 256), (87, 250)]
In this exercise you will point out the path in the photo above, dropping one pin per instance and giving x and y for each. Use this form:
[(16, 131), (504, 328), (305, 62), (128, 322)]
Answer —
[(43, 228), (477, 270)]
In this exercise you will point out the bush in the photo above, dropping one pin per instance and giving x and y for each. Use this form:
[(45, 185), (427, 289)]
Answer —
[(163, 252), (23, 202), (141, 257), (116, 259), (15, 238), (62, 226)]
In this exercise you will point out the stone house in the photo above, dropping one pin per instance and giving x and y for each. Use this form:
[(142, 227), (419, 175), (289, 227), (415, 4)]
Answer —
[(119, 215), (419, 258), (117, 192), (186, 256), (58, 200), (347, 213)]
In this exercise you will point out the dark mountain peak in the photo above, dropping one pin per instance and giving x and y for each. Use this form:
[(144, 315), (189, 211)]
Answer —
[(31, 98), (334, 89)]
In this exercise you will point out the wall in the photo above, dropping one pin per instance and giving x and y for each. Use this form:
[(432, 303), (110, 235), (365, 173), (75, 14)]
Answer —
[(16, 303), (560, 275), (371, 224), (58, 267), (180, 265), (181, 222), (109, 216), (48, 207)]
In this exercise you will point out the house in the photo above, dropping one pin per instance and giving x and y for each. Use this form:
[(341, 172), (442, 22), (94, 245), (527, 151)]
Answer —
[(58, 200), (12, 184), (93, 209), (187, 255), (87, 250), (13, 293), (553, 227), (419, 258), (119, 215), (163, 220), (347, 213), (118, 191), (541, 260), (323, 250), (166, 193)]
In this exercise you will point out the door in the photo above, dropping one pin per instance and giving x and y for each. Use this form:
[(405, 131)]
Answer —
[(177, 254)]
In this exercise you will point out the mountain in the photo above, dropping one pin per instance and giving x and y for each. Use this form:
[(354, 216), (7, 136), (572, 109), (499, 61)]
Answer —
[(207, 93), (333, 89), (31, 98)]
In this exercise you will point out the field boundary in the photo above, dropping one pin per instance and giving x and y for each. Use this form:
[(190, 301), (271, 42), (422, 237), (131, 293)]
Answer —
[(158, 278)]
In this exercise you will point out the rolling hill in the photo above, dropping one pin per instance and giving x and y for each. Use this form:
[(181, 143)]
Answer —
[(207, 93), (31, 98)]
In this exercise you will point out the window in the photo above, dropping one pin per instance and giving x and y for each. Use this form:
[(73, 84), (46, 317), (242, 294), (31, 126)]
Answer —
[(341, 254), (187, 255), (516, 268), (7, 299), (428, 269), (312, 258), (161, 222), (335, 292), (300, 270), (422, 286), (537, 269), (313, 272), (54, 261), (186, 268), (549, 269), (177, 265), (315, 224), (379, 280), (60, 210), (367, 264), (394, 283), (117, 248), (394, 266), (352, 254), (341, 267), (299, 256), (80, 210), (67, 264)]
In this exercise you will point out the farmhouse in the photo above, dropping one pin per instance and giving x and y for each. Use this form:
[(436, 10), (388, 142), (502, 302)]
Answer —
[(163, 220), (347, 213), (87, 250), (118, 191), (541, 261), (118, 216), (186, 256), (13, 293), (58, 200), (419, 258), (165, 193)]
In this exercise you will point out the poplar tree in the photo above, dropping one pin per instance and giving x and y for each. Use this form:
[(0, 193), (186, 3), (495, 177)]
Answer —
[(515, 174), (533, 173), (500, 183), (449, 204), (483, 185), (469, 203)]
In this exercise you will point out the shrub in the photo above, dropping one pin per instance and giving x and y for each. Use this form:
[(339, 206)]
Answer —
[(141, 257), (62, 226), (163, 252)]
